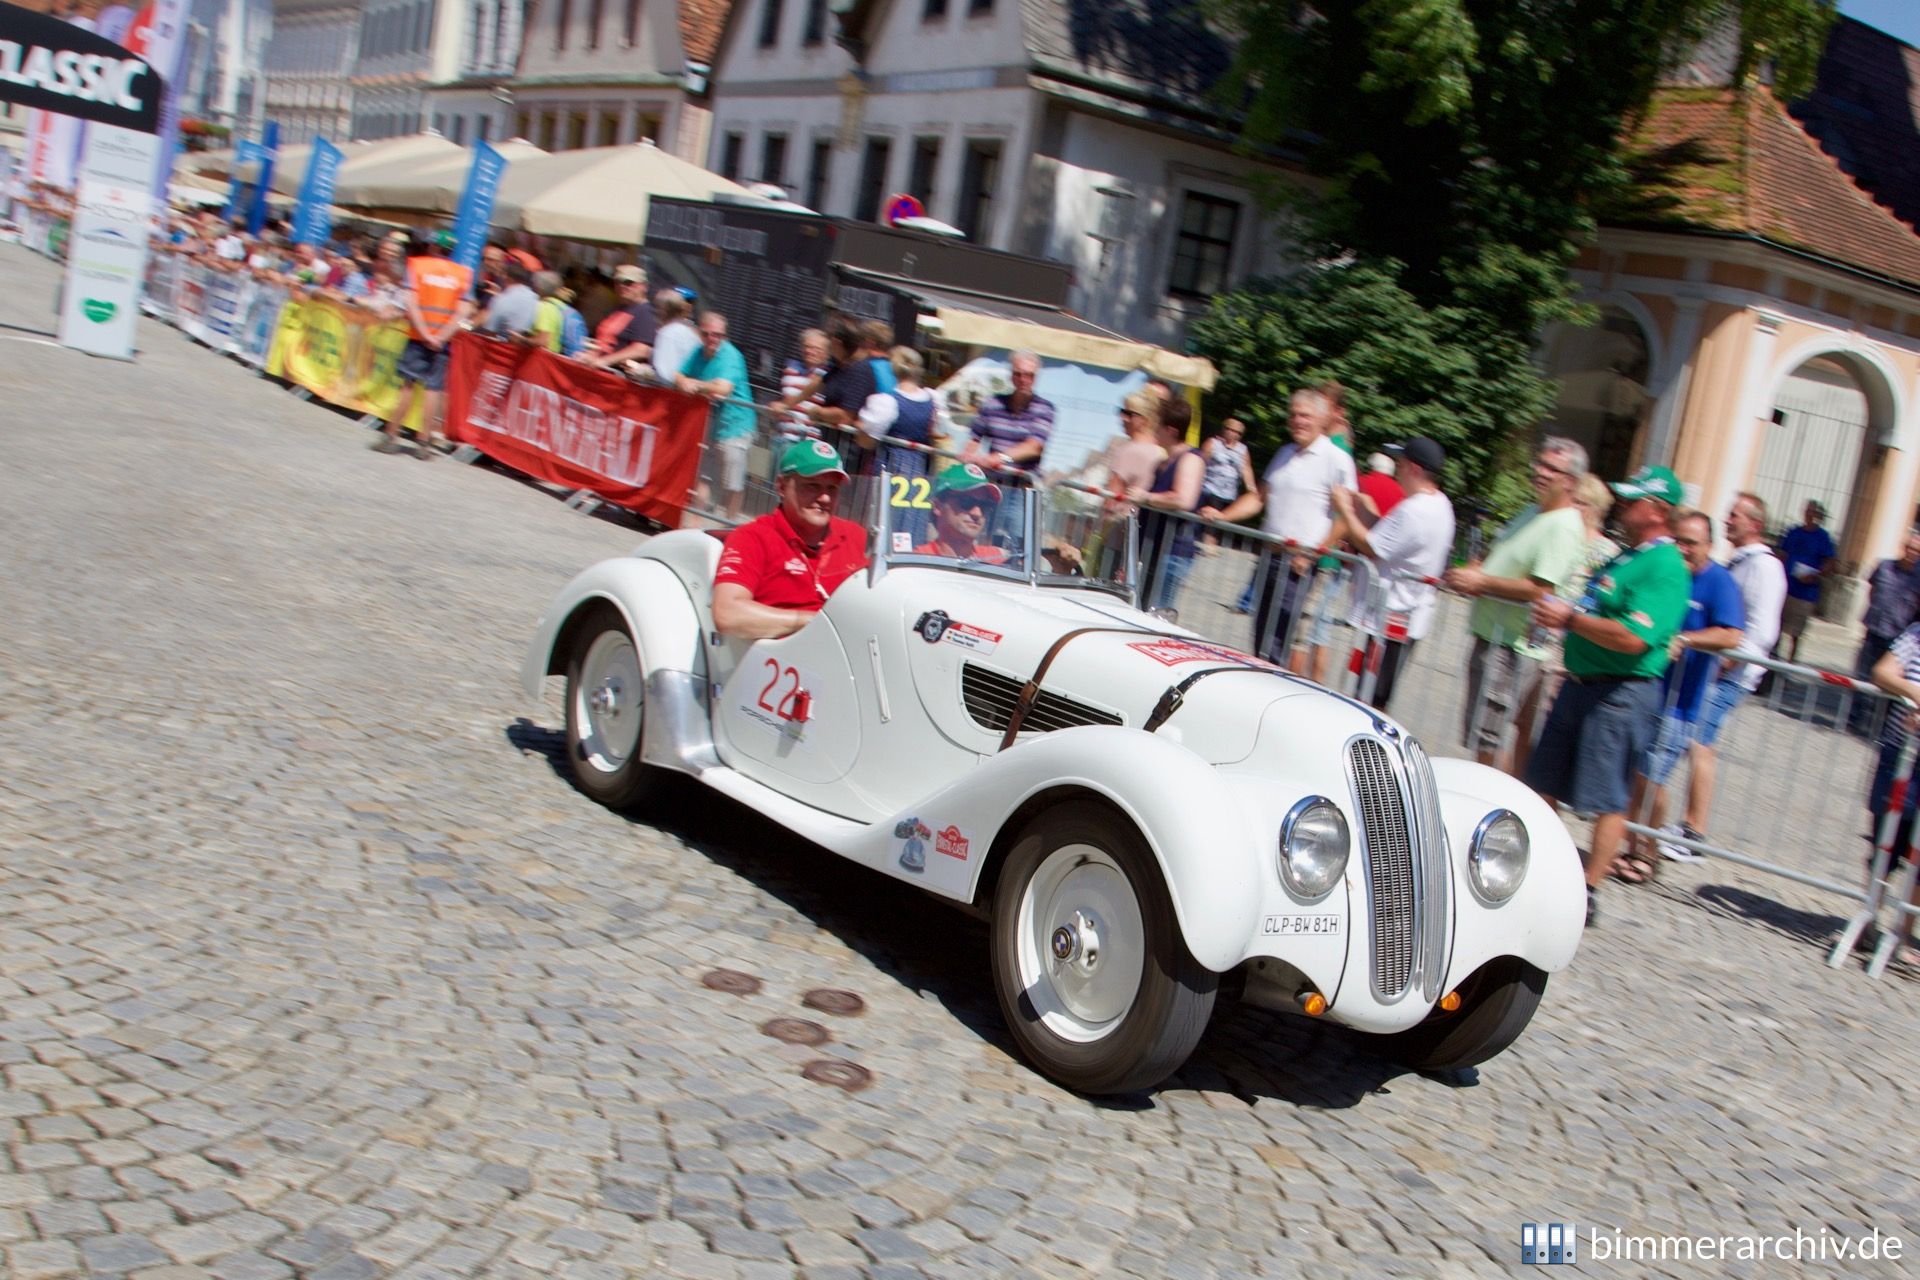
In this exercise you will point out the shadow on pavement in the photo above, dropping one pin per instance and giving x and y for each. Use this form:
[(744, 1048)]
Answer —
[(935, 950), (1813, 928)]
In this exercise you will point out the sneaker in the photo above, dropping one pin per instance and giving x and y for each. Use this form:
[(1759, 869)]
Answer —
[(1593, 907), (386, 444), (425, 452), (1680, 852)]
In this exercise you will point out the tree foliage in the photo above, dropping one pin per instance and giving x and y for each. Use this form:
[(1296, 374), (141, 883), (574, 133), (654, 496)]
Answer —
[(1460, 148)]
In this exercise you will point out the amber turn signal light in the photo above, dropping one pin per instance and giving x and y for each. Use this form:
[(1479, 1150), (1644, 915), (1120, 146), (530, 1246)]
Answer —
[(1450, 1001), (1312, 1003)]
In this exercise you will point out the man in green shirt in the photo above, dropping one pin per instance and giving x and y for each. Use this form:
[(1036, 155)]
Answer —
[(1608, 711), (1535, 555)]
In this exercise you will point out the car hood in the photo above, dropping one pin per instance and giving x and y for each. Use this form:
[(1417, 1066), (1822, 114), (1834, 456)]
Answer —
[(973, 644)]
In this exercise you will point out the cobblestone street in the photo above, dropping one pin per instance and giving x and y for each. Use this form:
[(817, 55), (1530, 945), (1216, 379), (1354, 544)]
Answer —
[(314, 963)]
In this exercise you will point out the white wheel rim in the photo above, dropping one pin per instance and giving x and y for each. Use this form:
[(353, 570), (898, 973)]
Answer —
[(1082, 943), (607, 704)]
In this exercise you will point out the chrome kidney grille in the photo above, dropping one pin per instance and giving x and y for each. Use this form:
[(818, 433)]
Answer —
[(1404, 844)]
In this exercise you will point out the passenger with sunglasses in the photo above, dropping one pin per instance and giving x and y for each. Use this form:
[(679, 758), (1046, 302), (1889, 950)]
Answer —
[(964, 503)]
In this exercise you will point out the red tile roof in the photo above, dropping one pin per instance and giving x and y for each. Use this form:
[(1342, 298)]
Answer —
[(700, 24), (1739, 162)]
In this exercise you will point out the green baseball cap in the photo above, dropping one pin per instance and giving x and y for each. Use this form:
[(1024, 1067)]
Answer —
[(810, 458), (1652, 482), (445, 240), (965, 478)]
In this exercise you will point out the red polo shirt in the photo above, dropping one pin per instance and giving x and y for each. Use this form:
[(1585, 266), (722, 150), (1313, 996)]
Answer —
[(767, 557)]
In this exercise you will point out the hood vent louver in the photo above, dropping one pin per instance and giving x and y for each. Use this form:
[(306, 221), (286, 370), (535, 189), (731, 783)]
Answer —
[(990, 697)]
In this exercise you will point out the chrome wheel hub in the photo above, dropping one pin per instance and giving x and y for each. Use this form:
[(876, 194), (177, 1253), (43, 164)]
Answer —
[(1082, 943)]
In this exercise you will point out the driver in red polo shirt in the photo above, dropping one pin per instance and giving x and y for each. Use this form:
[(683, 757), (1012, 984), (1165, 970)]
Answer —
[(777, 571)]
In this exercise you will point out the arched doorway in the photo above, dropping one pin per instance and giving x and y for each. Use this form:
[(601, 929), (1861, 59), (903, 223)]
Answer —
[(1601, 371), (1824, 440)]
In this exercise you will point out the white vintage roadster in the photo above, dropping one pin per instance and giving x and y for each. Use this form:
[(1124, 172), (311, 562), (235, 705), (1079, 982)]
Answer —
[(1148, 819)]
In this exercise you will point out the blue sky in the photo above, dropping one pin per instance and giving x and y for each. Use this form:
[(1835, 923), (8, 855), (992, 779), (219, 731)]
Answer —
[(1895, 17)]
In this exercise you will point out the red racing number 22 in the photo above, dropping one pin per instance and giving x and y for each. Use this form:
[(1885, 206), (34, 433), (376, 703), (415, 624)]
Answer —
[(785, 707)]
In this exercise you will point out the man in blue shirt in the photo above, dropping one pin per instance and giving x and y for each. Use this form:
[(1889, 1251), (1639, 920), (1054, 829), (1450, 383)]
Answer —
[(1010, 431), (1716, 617), (718, 371), (1807, 550)]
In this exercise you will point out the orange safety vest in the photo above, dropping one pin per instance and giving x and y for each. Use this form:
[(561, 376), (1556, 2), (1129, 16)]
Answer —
[(438, 285)]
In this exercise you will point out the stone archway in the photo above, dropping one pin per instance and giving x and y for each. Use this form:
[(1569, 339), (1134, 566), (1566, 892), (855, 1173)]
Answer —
[(1602, 372), (1825, 437)]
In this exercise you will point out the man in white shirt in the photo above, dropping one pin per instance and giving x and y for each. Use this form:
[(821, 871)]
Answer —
[(1296, 497), (1763, 590), (1409, 547), (232, 247)]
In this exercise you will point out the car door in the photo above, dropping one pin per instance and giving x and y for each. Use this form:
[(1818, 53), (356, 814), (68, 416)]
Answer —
[(789, 715)]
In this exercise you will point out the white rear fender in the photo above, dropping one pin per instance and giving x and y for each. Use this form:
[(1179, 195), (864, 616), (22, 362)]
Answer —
[(1542, 922), (1198, 830), (659, 614)]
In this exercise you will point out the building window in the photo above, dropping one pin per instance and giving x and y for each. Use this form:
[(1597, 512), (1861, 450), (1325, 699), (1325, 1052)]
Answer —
[(562, 19), (633, 23), (769, 24), (978, 178), (1203, 246), (873, 179), (773, 159), (818, 173), (577, 131), (460, 131), (934, 11), (596, 10), (482, 126), (926, 160), (422, 24), (730, 148), (815, 32), (979, 8)]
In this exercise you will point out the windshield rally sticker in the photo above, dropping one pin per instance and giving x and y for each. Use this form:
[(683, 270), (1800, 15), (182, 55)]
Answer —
[(935, 626)]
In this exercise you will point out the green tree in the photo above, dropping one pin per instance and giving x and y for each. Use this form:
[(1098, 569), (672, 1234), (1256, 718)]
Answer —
[(1461, 148)]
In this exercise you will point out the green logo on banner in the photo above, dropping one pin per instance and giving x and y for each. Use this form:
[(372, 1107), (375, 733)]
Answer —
[(98, 310)]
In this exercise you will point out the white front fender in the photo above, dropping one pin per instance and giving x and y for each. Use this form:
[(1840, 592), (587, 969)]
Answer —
[(1199, 831)]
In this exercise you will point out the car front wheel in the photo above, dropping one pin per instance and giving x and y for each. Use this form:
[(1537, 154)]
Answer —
[(1496, 1004), (606, 709), (1094, 978)]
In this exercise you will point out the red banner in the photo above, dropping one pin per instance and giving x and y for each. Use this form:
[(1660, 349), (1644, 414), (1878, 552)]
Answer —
[(559, 421)]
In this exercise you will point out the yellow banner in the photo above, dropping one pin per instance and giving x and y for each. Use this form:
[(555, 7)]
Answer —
[(345, 355)]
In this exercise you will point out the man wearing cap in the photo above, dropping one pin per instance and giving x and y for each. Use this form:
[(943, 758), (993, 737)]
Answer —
[(964, 501), (776, 572), (1408, 547), (1616, 651), (1807, 550), (628, 330), (438, 303)]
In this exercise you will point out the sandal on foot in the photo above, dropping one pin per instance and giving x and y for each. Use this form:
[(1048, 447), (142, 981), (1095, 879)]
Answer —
[(1635, 867)]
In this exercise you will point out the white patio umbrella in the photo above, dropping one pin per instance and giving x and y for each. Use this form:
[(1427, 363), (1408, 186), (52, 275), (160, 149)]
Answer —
[(430, 180), (600, 193)]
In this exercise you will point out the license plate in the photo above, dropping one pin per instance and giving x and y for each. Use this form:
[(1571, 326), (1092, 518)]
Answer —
[(1295, 926)]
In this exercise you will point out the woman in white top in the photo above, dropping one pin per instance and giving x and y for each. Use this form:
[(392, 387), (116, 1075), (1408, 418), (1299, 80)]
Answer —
[(677, 339), (909, 412)]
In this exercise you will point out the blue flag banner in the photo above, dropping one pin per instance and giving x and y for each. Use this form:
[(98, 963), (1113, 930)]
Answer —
[(246, 158), (476, 205), (269, 148), (313, 218)]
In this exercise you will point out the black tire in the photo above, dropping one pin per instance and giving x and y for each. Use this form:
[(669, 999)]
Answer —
[(603, 745), (1496, 1004), (1086, 865)]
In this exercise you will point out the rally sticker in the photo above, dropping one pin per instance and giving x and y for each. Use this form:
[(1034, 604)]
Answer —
[(913, 835), (1301, 925), (902, 541), (977, 639), (1172, 653), (951, 842)]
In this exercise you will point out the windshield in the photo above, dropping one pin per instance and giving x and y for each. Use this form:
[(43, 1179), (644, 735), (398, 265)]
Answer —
[(968, 521)]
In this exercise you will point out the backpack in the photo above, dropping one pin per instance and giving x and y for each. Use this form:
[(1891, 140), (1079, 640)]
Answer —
[(573, 330)]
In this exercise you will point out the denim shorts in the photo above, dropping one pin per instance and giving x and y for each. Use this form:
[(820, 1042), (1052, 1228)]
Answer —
[(1722, 698), (1669, 744), (1596, 734)]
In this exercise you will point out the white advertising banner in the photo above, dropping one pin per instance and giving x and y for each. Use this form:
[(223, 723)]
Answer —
[(107, 246)]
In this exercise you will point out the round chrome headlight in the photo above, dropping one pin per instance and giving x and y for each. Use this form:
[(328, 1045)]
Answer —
[(1313, 847), (1497, 859)]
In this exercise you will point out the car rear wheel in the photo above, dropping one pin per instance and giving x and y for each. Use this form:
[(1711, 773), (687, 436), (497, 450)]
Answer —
[(1094, 978), (606, 710), (1496, 1004)]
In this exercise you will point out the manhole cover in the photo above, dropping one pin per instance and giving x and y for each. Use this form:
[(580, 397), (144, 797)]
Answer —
[(731, 981), (795, 1031), (839, 1073), (828, 1000)]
